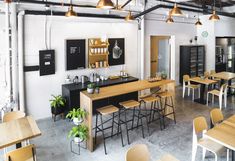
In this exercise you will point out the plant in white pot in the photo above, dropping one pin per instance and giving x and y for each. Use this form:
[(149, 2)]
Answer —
[(79, 133), (77, 115), (90, 88)]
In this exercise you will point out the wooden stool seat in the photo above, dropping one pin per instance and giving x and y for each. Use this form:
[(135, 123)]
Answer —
[(107, 110), (150, 99), (129, 104), (165, 94)]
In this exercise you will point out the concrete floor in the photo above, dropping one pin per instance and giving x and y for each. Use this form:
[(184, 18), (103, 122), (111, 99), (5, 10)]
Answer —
[(176, 139)]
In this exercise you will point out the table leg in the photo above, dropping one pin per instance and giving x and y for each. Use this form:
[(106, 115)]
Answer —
[(201, 99), (233, 156)]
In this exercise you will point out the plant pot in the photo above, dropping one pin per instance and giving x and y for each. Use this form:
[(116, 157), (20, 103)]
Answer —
[(57, 110), (90, 90), (164, 76), (77, 121), (77, 140)]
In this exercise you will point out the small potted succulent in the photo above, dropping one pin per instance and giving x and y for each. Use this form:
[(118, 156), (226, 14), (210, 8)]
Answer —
[(163, 75), (90, 88), (57, 105), (77, 115), (79, 133)]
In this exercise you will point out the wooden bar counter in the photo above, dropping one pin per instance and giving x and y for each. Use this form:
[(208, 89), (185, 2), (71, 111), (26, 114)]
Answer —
[(87, 100)]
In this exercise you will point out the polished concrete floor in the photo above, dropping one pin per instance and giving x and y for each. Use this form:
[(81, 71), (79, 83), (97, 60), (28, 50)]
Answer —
[(176, 139)]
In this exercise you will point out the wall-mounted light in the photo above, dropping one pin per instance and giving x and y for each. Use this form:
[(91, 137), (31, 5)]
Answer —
[(105, 4)]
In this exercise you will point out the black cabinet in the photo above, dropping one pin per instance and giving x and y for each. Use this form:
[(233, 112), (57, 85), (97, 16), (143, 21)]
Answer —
[(192, 61), (71, 92)]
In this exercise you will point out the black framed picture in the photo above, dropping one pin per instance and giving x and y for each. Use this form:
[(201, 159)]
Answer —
[(76, 54), (116, 51)]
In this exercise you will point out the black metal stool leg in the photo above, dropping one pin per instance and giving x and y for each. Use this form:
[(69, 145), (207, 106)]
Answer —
[(112, 125), (102, 126), (173, 108), (96, 127), (120, 126), (133, 118), (127, 133)]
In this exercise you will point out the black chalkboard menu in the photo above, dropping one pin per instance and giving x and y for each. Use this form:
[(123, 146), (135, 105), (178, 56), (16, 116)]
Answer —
[(47, 62), (75, 54)]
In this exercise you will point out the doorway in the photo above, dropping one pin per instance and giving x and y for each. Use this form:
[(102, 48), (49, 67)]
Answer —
[(160, 55)]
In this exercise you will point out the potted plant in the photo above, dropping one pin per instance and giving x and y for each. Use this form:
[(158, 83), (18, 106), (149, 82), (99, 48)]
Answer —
[(57, 105), (79, 133), (90, 88), (77, 115), (163, 75)]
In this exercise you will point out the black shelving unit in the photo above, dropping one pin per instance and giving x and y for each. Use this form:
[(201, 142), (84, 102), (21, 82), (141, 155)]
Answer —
[(192, 60)]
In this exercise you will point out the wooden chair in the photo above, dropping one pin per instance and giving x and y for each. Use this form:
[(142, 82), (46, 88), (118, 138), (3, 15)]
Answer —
[(138, 152), (187, 84), (216, 116), (168, 157), (220, 93), (216, 79), (26, 153), (13, 116), (200, 127)]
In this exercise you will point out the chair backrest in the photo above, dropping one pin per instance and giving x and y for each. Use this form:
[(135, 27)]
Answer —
[(213, 72), (26, 153), (13, 116), (206, 74), (216, 116), (199, 124), (186, 78), (138, 153)]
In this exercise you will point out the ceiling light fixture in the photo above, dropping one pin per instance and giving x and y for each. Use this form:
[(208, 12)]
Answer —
[(176, 11), (129, 17), (169, 20), (105, 4), (70, 12), (214, 16)]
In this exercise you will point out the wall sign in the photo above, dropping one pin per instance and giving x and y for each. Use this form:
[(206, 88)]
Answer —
[(116, 51), (46, 62), (75, 54)]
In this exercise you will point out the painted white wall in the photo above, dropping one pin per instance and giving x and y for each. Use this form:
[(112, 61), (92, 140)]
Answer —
[(180, 34), (224, 27), (39, 89)]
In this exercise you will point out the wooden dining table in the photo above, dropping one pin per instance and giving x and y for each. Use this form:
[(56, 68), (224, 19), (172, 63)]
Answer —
[(18, 130), (224, 134), (203, 82)]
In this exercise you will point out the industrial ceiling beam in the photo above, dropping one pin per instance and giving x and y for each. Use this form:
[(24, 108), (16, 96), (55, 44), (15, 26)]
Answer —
[(125, 4)]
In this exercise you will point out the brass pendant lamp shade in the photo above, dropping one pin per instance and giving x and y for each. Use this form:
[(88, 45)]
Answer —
[(105, 4), (129, 17), (198, 23), (169, 20), (214, 16), (176, 11), (70, 12)]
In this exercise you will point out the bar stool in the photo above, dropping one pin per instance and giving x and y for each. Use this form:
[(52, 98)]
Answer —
[(154, 101), (131, 105), (165, 96), (104, 111)]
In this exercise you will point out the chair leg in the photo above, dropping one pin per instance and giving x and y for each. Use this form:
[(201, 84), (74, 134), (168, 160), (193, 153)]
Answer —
[(127, 133), (120, 126), (173, 108), (216, 157), (225, 101), (193, 95), (227, 154), (102, 127), (199, 94), (207, 99), (183, 91), (133, 118), (188, 91), (96, 126), (203, 153), (112, 125), (194, 152), (220, 102)]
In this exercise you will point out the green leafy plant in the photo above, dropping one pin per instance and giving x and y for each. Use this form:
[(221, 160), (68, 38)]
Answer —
[(77, 113), (80, 131), (57, 101), (91, 85), (164, 75)]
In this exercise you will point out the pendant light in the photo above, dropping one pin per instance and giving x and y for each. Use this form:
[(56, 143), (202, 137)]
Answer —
[(176, 11), (105, 4), (214, 16), (169, 19), (198, 23), (70, 12), (129, 17)]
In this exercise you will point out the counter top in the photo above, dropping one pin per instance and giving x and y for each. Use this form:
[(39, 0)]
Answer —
[(80, 86), (126, 88)]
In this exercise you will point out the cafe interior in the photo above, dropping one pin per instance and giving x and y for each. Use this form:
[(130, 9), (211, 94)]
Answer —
[(117, 80)]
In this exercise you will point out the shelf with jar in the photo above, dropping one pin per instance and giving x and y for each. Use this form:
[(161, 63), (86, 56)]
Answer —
[(98, 53)]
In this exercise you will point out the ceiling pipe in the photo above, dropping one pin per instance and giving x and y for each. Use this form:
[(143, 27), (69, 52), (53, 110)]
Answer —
[(125, 4), (58, 13), (184, 9)]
